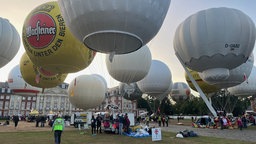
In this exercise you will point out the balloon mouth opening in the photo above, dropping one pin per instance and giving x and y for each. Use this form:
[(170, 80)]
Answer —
[(215, 75), (108, 41)]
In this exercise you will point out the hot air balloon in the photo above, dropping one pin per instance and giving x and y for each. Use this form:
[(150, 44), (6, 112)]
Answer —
[(236, 75), (205, 87), (158, 79), (180, 91), (9, 42), (37, 76), (247, 88), (114, 26), (131, 67), (215, 40), (161, 96), (102, 79), (18, 85), (50, 44), (86, 91), (130, 91)]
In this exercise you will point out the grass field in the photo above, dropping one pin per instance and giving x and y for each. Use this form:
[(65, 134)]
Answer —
[(74, 137), (27, 133)]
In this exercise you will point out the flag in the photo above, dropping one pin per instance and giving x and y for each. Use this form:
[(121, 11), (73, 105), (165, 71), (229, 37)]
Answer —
[(245, 78)]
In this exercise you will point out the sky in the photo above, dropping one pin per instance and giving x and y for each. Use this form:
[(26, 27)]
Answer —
[(161, 46)]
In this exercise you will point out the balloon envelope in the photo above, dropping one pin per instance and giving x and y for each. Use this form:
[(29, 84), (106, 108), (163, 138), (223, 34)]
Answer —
[(37, 76), (131, 67), (158, 79), (215, 38), (17, 83), (180, 91), (86, 91), (236, 75), (9, 42), (247, 88), (205, 87), (119, 26), (50, 44)]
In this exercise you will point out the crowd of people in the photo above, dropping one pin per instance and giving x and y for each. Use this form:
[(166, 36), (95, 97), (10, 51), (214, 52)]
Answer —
[(119, 124), (225, 122)]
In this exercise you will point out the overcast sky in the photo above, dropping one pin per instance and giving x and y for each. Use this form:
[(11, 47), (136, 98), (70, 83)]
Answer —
[(161, 46)]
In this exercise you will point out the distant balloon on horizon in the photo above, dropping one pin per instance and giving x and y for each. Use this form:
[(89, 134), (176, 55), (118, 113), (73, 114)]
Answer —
[(180, 91)]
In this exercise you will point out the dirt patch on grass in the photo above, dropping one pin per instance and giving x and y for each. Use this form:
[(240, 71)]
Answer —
[(27, 126)]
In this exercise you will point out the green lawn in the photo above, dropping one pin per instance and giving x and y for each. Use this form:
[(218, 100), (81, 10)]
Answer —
[(74, 137)]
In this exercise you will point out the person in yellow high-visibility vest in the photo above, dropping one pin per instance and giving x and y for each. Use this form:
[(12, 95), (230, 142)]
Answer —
[(58, 126)]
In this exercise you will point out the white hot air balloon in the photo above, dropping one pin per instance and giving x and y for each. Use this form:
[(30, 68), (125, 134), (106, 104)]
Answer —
[(160, 97), (158, 79), (118, 26), (131, 67), (9, 42), (247, 88), (86, 91), (236, 75), (214, 40), (103, 80), (17, 83), (180, 91)]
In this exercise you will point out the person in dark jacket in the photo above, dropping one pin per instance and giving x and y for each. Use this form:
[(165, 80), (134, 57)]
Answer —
[(93, 125), (16, 120), (98, 122)]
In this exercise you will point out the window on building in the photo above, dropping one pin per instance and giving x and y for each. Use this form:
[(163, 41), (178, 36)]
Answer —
[(7, 97), (23, 105), (29, 98), (34, 98), (6, 105), (2, 97), (33, 105), (1, 104), (8, 90), (28, 106), (3, 90)]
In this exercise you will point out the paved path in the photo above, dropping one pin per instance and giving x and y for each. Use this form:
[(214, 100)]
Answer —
[(245, 135)]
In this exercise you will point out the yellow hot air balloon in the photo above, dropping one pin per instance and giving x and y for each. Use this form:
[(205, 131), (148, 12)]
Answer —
[(50, 44), (37, 76), (206, 88)]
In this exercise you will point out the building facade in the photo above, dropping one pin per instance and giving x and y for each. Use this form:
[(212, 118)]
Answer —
[(54, 100)]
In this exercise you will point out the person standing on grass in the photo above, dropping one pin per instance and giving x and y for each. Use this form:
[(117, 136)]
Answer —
[(58, 127), (121, 124), (98, 122), (167, 120), (16, 120), (93, 125), (239, 123)]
